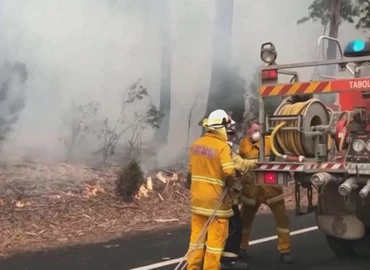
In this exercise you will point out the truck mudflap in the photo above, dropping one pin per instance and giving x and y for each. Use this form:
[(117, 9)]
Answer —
[(341, 226), (363, 211)]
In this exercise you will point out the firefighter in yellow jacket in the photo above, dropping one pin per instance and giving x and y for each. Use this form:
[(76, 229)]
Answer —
[(253, 196), (212, 170), (230, 257)]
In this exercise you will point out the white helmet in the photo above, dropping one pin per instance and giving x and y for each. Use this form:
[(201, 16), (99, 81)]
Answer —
[(218, 119)]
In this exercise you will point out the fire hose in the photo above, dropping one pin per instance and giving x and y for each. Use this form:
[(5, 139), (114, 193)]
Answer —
[(342, 133), (203, 233), (291, 141)]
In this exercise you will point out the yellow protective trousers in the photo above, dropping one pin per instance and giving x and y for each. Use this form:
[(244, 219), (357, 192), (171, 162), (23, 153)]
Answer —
[(207, 253), (282, 223)]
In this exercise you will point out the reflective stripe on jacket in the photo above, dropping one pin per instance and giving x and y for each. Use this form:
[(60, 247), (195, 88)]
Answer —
[(210, 164)]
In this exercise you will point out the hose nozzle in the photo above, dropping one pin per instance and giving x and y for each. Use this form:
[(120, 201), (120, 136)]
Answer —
[(320, 178), (364, 192), (346, 188)]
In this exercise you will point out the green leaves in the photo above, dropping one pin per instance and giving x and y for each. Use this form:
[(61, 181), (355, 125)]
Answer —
[(364, 14), (130, 178), (303, 20), (319, 10), (135, 91), (153, 116), (133, 118), (349, 10)]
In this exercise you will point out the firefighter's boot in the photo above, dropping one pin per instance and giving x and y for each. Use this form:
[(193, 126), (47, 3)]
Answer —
[(243, 253), (234, 265), (286, 258)]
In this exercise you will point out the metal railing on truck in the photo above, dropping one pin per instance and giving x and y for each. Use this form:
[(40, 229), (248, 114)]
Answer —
[(356, 83)]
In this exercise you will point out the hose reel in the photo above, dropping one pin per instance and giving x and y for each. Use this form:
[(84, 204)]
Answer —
[(295, 136)]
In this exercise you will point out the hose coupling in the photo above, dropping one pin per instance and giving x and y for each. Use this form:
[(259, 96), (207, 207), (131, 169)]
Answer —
[(364, 192), (348, 185), (321, 178)]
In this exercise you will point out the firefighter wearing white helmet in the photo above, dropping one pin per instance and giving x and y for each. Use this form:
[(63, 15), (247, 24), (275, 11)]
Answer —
[(212, 170)]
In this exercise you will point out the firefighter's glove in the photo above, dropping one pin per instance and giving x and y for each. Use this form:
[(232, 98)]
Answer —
[(236, 190), (254, 163), (188, 180), (230, 180), (237, 185), (243, 165)]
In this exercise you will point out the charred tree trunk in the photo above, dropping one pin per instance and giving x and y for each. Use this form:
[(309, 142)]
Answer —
[(161, 134), (221, 53), (331, 51)]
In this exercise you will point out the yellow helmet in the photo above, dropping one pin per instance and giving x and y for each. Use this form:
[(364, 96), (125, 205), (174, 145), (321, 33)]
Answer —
[(204, 122)]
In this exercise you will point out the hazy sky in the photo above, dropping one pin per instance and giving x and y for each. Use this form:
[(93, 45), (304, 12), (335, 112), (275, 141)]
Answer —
[(84, 50)]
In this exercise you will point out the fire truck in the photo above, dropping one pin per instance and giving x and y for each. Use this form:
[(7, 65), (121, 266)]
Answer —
[(317, 147)]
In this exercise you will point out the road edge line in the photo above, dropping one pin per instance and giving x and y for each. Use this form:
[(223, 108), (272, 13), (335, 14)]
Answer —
[(254, 242)]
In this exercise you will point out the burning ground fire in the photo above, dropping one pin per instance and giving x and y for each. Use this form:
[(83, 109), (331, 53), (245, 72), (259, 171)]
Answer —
[(44, 206)]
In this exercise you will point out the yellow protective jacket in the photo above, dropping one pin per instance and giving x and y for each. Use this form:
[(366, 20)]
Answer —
[(242, 166), (251, 193), (210, 165)]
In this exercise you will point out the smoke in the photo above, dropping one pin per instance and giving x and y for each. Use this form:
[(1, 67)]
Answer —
[(75, 51), (84, 50), (253, 24)]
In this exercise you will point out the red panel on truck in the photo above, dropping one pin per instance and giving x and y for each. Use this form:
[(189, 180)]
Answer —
[(351, 99)]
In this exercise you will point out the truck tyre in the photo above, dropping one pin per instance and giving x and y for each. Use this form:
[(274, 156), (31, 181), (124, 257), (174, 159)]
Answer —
[(342, 248), (362, 246)]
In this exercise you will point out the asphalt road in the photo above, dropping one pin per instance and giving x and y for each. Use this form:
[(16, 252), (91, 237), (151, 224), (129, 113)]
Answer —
[(143, 251)]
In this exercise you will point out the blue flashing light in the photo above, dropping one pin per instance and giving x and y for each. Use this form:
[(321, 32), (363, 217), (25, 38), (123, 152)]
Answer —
[(357, 48), (358, 45)]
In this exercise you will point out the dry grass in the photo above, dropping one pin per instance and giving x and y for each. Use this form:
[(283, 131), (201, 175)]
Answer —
[(44, 206)]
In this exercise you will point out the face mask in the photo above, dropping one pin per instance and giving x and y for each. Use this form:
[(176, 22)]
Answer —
[(256, 136)]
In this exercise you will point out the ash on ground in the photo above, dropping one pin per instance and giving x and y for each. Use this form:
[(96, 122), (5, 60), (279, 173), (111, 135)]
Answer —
[(45, 206)]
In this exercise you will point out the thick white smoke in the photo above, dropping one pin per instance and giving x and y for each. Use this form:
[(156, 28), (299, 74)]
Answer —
[(75, 51), (85, 50)]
